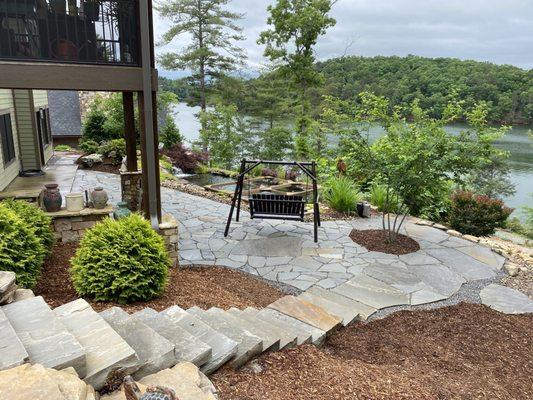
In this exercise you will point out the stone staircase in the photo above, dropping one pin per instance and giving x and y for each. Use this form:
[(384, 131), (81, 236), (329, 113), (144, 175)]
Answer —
[(99, 345)]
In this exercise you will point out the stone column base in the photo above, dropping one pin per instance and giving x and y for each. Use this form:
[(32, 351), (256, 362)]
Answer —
[(168, 229), (131, 187)]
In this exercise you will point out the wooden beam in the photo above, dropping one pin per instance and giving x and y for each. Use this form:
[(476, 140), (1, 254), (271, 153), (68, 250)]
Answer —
[(129, 131), (57, 76)]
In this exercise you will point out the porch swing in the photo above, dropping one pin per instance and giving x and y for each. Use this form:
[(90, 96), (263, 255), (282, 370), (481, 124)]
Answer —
[(276, 206)]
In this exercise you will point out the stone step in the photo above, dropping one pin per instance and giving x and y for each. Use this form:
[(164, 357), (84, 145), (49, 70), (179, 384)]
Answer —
[(153, 350), (306, 312), (305, 333), (106, 352), (46, 339), (12, 352), (187, 347), (347, 315), (372, 292), (364, 311), (286, 339), (223, 347), (7, 287), (249, 345), (269, 340)]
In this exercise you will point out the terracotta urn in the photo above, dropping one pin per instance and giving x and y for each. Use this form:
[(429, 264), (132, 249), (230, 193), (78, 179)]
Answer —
[(52, 197), (99, 197)]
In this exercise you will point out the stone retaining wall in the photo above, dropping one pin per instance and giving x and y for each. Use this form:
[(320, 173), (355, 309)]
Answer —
[(169, 230), (70, 226)]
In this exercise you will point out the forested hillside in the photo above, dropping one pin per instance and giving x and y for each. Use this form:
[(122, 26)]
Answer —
[(508, 90)]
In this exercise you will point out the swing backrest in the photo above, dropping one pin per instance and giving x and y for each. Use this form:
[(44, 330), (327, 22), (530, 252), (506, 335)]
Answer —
[(277, 206)]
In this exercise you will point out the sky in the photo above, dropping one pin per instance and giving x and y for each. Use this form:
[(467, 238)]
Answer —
[(499, 31)]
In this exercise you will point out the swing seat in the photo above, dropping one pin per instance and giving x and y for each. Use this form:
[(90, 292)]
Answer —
[(277, 206)]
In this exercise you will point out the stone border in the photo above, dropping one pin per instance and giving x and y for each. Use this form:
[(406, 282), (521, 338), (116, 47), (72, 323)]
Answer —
[(70, 226)]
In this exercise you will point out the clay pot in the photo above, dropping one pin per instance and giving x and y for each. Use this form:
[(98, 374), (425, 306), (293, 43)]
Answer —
[(122, 210), (52, 197), (99, 197)]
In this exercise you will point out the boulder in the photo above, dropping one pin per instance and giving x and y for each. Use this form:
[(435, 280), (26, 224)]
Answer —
[(36, 382), (7, 287), (91, 159)]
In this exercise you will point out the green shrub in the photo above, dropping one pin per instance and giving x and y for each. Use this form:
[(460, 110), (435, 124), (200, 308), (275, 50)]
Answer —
[(20, 250), (62, 147), (114, 149), (476, 214), (341, 194), (170, 134), (89, 146), (378, 198), (123, 261), (36, 219)]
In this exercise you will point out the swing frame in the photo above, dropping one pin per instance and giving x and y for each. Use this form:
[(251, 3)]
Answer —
[(308, 168)]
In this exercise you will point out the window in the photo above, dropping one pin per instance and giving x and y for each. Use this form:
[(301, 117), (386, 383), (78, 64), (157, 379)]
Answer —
[(43, 125), (6, 139)]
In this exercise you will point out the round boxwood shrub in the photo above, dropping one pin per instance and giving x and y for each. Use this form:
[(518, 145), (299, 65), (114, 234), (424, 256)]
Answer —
[(121, 260), (20, 250), (36, 218)]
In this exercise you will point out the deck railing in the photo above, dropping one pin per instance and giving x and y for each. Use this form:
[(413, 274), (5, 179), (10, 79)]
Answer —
[(70, 31)]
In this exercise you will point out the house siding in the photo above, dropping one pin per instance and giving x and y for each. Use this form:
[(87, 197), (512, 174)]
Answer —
[(29, 145), (10, 172)]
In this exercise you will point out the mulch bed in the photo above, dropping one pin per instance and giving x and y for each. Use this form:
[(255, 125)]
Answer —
[(102, 167), (466, 351), (199, 286), (378, 240)]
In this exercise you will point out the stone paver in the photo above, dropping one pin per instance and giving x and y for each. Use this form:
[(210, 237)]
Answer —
[(284, 251), (12, 352), (44, 336), (154, 351), (106, 352), (506, 300)]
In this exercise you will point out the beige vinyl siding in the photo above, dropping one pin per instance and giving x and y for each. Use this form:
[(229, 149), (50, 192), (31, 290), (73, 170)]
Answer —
[(29, 145), (7, 174), (40, 100)]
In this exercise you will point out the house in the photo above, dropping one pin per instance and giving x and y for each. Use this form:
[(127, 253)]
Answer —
[(65, 117), (25, 136), (79, 45)]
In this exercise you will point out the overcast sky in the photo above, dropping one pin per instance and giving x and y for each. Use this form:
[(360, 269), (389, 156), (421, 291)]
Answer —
[(499, 31)]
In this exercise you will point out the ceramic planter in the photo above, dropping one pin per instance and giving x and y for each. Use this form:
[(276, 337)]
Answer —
[(74, 202), (52, 197), (99, 197), (122, 210)]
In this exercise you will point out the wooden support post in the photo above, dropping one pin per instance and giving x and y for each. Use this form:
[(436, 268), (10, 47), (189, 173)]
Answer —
[(129, 131), (142, 123), (156, 155)]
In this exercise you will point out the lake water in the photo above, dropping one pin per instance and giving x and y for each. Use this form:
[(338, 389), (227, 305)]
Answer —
[(516, 142)]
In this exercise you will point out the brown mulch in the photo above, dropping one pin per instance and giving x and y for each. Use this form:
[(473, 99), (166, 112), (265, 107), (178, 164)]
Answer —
[(378, 240), (199, 286), (102, 167), (467, 351)]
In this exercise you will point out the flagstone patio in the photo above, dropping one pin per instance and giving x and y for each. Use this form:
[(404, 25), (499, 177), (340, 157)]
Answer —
[(285, 252)]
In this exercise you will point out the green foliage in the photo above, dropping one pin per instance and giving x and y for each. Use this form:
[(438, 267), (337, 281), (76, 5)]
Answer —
[(170, 134), (123, 261), (62, 147), (506, 90), (275, 143), (105, 119), (20, 249), (476, 214), (212, 50), (341, 194), (491, 177), (296, 27), (36, 219), (382, 198), (114, 149), (89, 146), (223, 135), (528, 223)]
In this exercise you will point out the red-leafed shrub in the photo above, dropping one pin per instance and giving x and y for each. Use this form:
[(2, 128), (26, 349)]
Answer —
[(477, 215), (184, 158)]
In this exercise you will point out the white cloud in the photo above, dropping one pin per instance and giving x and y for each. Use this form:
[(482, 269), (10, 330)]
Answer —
[(485, 30)]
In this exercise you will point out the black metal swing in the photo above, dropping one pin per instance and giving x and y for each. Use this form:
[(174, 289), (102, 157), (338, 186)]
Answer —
[(276, 206)]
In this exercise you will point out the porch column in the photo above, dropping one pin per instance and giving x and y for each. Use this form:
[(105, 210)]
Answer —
[(148, 120)]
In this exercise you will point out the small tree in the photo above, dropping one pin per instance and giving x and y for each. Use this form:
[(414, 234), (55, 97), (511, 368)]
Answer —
[(170, 134), (222, 133), (276, 143)]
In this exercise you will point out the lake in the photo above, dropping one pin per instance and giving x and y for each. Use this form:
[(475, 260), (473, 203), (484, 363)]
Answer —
[(516, 142)]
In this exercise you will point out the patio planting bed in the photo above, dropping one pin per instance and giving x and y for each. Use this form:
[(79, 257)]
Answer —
[(187, 287), (465, 351)]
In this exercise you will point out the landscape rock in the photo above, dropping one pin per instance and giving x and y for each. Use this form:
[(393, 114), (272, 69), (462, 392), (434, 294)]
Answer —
[(91, 159), (36, 382), (7, 286), (23, 294), (512, 268), (506, 300)]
